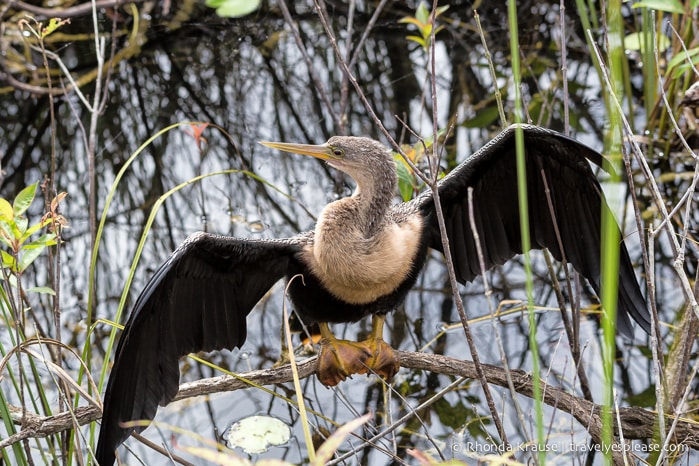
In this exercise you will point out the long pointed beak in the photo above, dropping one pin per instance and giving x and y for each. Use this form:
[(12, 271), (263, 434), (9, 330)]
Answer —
[(320, 151)]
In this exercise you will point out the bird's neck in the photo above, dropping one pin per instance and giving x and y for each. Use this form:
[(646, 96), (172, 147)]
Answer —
[(372, 199), (360, 252)]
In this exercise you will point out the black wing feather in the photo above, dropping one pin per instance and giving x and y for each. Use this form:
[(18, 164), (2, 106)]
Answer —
[(197, 301), (576, 199)]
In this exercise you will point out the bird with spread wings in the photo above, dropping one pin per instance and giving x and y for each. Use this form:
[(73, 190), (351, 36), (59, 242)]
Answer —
[(362, 258)]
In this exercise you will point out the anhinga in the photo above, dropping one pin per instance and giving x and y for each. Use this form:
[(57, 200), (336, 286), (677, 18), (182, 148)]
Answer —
[(362, 258)]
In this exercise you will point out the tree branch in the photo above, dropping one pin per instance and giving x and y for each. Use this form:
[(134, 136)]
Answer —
[(637, 423)]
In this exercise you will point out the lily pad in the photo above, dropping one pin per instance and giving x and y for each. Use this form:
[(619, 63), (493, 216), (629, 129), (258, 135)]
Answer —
[(256, 434)]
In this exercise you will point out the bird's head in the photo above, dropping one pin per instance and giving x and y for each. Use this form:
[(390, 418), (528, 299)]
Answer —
[(359, 157)]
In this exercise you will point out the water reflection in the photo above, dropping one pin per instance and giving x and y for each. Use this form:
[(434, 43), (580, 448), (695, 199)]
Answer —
[(250, 81)]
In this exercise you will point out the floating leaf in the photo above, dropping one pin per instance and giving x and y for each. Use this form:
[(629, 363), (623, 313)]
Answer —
[(255, 434)]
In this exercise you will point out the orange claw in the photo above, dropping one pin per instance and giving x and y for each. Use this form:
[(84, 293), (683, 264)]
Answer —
[(384, 361), (340, 359)]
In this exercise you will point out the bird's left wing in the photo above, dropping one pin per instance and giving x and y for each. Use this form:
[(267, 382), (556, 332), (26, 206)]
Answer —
[(565, 202), (197, 301)]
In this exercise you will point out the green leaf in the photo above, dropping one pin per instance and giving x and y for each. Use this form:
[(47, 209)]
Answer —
[(668, 6), (426, 31), (33, 229), (7, 234), (24, 199), (422, 14), (41, 290), (634, 41), (429, 140), (417, 39), (405, 180), (441, 10), (8, 261), (28, 256), (6, 211), (48, 239), (234, 8), (680, 58), (646, 398), (483, 118), (54, 23), (21, 224), (411, 20), (452, 416)]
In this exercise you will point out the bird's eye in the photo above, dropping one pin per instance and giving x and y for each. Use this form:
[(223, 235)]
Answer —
[(338, 152)]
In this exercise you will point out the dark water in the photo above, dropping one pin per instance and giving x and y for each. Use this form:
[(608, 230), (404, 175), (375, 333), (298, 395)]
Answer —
[(248, 79)]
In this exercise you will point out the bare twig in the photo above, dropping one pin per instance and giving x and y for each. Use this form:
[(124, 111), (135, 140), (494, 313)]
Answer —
[(317, 84), (63, 12)]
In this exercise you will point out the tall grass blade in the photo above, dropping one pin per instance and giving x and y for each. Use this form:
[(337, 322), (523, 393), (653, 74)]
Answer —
[(524, 227)]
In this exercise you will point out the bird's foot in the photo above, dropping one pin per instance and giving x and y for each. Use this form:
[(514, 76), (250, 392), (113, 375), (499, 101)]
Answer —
[(383, 361), (340, 359)]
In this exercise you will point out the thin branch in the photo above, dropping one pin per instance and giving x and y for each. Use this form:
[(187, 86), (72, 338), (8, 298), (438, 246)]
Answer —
[(317, 83), (62, 12)]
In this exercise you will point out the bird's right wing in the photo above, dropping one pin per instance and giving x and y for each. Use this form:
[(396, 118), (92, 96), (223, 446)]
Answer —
[(197, 301), (565, 203)]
